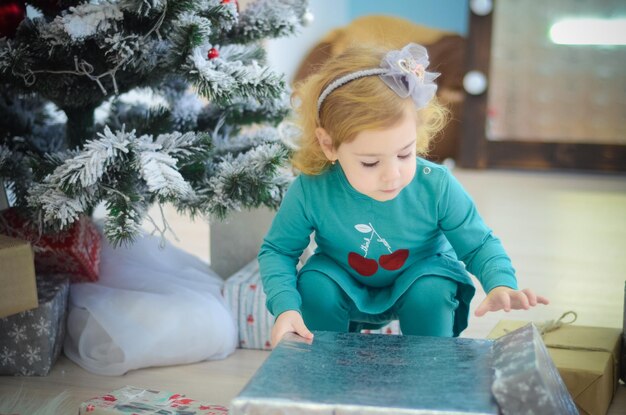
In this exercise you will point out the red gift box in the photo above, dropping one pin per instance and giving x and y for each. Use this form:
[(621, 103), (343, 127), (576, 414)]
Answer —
[(74, 252)]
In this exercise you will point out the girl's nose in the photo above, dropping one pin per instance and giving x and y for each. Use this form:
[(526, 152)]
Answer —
[(392, 171)]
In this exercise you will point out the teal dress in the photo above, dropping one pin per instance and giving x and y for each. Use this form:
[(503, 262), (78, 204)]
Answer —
[(431, 228)]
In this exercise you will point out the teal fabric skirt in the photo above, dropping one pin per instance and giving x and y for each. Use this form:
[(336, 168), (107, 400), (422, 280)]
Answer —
[(376, 301)]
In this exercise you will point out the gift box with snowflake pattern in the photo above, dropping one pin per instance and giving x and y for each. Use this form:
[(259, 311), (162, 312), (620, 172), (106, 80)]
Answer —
[(31, 340), (132, 400), (244, 294)]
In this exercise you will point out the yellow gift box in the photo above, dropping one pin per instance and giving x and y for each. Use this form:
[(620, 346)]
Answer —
[(587, 359)]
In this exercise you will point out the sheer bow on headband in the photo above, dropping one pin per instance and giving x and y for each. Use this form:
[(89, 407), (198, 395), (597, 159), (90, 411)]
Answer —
[(404, 71)]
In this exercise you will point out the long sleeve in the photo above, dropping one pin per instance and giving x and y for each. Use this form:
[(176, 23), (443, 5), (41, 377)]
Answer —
[(284, 243), (475, 245)]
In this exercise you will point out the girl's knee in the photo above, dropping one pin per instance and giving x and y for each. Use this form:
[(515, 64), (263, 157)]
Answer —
[(428, 307), (431, 293)]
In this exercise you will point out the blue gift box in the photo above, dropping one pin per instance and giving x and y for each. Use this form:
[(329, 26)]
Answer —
[(370, 374)]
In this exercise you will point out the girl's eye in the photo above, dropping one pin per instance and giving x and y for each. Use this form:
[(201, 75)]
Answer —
[(364, 164), (404, 156)]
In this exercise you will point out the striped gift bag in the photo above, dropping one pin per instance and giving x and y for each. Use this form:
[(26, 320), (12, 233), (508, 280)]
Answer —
[(244, 294)]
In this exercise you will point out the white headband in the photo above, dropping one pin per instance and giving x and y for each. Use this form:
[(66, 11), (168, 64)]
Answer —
[(404, 71)]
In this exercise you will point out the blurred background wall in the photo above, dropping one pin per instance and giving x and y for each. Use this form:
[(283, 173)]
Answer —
[(286, 54)]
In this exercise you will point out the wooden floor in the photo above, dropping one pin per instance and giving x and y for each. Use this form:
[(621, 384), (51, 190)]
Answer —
[(566, 234)]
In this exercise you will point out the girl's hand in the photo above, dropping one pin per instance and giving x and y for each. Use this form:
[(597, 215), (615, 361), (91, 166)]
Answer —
[(289, 321), (507, 299)]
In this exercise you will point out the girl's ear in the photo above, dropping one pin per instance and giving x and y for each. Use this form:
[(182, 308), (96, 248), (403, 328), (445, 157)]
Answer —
[(326, 143)]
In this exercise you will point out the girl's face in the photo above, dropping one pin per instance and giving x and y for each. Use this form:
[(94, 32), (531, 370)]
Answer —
[(378, 163)]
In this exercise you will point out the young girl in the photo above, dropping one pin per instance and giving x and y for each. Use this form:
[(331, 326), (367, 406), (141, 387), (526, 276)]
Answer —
[(394, 232)]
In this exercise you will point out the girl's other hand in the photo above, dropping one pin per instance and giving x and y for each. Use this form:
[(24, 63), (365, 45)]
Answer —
[(507, 299), (289, 321)]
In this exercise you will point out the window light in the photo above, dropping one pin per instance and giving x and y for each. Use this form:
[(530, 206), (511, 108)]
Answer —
[(589, 31)]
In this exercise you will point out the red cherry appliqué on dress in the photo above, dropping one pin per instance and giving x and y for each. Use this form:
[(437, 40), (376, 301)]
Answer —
[(395, 260), (368, 267), (364, 266)]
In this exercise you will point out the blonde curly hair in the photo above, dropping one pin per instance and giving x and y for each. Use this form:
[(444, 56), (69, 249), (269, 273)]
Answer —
[(363, 104)]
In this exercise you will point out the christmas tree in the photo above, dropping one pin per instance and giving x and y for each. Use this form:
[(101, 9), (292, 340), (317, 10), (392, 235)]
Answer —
[(70, 141)]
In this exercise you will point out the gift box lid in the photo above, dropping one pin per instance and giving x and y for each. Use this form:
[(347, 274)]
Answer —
[(17, 276)]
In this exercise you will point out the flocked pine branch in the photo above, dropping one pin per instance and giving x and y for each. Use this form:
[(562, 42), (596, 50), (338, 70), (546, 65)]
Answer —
[(71, 139), (269, 19), (242, 174), (247, 180)]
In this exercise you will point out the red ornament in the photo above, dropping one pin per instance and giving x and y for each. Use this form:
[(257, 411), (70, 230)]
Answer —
[(232, 1), (213, 53), (11, 15)]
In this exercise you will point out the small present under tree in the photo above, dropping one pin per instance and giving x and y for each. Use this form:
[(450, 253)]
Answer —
[(68, 141)]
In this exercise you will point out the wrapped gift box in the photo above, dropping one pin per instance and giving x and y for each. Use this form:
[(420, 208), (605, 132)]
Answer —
[(17, 276), (74, 252), (391, 328), (245, 297), (587, 359), (244, 294), (132, 400), (34, 338), (525, 378), (350, 373)]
